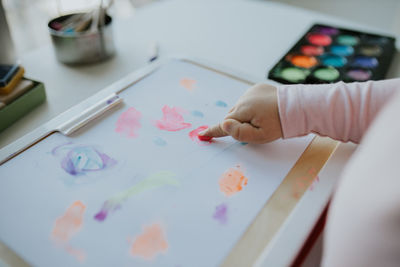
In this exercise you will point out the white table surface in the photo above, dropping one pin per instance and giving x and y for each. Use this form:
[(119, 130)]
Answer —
[(249, 36)]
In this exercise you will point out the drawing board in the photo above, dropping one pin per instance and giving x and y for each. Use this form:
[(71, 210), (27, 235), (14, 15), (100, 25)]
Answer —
[(136, 187)]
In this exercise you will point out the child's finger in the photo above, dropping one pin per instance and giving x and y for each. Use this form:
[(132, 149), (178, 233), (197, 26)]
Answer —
[(214, 131), (244, 132)]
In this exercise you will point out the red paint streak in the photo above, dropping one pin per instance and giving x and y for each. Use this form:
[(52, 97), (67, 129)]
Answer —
[(129, 123), (205, 138), (172, 120), (194, 135)]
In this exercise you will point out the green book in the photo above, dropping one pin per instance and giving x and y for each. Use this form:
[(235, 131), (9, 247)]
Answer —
[(21, 105)]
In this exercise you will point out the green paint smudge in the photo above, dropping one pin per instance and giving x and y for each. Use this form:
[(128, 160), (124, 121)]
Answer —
[(153, 181)]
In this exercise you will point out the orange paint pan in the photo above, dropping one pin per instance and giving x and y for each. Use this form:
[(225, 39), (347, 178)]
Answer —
[(303, 61)]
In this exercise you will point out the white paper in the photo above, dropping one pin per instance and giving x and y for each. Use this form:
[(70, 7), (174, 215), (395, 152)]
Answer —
[(36, 191)]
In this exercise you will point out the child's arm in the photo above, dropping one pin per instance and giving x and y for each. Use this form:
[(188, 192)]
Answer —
[(341, 111)]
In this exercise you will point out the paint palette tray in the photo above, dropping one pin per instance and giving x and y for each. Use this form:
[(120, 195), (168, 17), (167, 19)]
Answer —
[(327, 54)]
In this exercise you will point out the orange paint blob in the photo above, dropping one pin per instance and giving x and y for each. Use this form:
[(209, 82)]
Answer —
[(79, 254), (70, 223), (67, 226), (303, 61), (232, 181), (188, 84), (150, 243)]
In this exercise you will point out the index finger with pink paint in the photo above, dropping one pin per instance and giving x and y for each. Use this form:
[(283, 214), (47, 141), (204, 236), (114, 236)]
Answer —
[(214, 131)]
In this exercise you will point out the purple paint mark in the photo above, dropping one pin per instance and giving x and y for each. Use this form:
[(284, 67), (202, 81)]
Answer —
[(112, 100), (56, 149), (80, 159), (108, 206), (101, 216), (221, 213)]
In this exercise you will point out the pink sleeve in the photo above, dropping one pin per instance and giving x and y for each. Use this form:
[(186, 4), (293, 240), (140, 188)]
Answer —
[(342, 111)]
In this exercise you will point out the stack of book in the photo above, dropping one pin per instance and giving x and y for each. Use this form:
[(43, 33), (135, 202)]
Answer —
[(18, 95)]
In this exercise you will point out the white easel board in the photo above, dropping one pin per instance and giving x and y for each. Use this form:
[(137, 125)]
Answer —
[(135, 187)]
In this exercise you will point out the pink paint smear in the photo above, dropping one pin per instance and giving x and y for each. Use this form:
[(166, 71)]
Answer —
[(194, 135), (172, 120), (128, 123), (305, 182)]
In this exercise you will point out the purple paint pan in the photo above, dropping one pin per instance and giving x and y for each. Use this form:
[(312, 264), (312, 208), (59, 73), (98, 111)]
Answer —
[(359, 74), (327, 30)]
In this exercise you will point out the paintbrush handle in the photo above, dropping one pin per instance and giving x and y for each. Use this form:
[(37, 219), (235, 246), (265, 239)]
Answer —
[(95, 20)]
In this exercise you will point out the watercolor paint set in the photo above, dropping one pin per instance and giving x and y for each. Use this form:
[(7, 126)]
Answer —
[(326, 54)]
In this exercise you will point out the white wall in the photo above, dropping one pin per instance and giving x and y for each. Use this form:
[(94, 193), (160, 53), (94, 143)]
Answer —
[(383, 14)]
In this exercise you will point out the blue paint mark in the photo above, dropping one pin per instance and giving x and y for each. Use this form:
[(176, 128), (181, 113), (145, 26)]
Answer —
[(222, 104), (197, 113), (69, 31), (243, 143), (159, 141)]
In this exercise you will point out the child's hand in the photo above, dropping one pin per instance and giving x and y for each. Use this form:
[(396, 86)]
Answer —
[(254, 118)]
